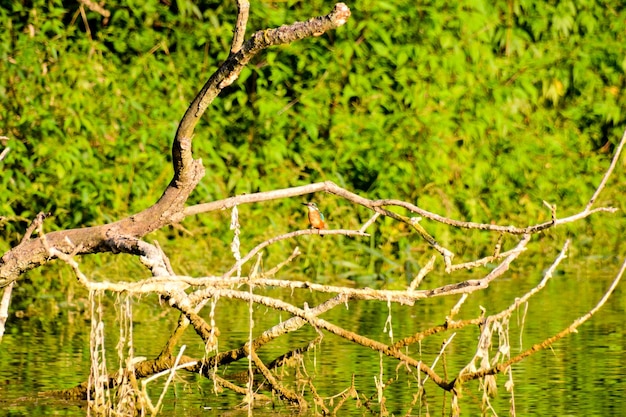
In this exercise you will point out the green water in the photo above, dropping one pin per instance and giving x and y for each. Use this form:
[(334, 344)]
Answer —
[(581, 375)]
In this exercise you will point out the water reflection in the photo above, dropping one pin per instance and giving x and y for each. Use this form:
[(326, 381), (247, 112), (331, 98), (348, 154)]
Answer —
[(581, 375)]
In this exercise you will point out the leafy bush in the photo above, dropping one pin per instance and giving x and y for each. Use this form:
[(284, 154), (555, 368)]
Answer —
[(477, 111)]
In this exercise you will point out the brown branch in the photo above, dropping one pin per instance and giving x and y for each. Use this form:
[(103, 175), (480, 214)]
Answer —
[(502, 367), (283, 392), (168, 210), (243, 10), (290, 325), (319, 401), (285, 358), (324, 325), (143, 369), (177, 334), (257, 398), (35, 224), (31, 253), (452, 325), (229, 71)]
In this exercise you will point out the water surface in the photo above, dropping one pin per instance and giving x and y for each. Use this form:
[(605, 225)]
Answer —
[(581, 375)]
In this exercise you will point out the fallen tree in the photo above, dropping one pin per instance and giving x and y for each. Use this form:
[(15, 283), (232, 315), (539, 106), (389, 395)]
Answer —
[(190, 295)]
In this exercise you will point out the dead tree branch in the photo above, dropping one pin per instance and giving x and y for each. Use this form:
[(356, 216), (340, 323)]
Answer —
[(188, 171), (502, 367)]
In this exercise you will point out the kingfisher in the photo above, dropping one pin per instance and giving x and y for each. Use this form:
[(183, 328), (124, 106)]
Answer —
[(316, 218)]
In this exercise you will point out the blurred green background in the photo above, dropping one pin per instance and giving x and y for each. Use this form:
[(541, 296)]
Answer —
[(477, 111)]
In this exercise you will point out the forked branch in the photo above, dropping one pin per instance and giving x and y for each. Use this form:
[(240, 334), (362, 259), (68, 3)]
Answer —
[(31, 253)]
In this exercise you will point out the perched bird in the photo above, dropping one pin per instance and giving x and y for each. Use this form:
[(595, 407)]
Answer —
[(316, 218)]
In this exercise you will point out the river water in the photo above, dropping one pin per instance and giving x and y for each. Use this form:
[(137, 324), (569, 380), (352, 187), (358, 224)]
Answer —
[(581, 375)]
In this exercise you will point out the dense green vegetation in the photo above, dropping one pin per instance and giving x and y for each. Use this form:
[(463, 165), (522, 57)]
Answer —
[(477, 111)]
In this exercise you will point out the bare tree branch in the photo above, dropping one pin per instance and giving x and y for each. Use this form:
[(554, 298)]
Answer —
[(188, 172), (184, 164), (243, 8), (189, 295), (502, 367), (4, 153), (607, 174)]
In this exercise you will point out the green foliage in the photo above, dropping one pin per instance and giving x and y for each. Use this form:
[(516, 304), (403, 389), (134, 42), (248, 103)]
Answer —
[(477, 110)]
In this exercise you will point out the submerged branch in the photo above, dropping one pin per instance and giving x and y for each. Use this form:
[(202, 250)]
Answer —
[(572, 328)]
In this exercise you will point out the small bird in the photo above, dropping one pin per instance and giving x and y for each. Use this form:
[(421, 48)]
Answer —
[(316, 218)]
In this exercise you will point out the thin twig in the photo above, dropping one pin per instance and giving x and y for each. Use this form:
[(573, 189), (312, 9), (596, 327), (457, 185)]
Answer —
[(369, 222), (572, 328), (35, 225), (296, 252), (257, 398), (481, 262), (422, 273), (443, 348), (285, 236), (284, 392), (170, 377), (4, 153), (608, 172), (239, 33)]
